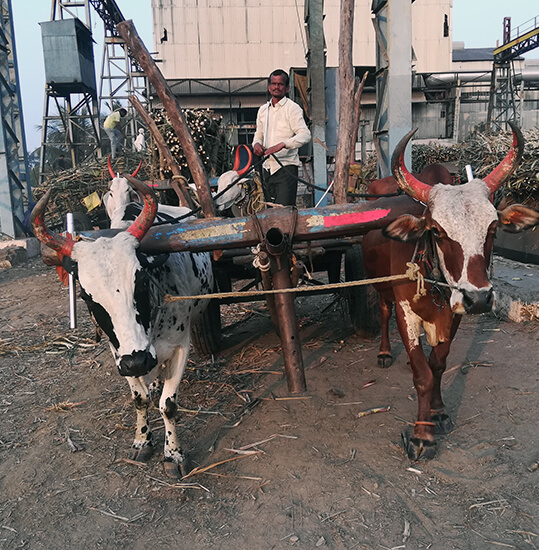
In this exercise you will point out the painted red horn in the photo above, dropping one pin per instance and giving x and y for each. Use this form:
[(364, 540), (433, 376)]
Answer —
[(136, 169), (57, 242), (507, 166), (111, 170), (408, 183), (144, 220)]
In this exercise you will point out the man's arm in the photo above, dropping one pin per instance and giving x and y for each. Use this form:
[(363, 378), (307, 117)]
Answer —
[(258, 140), (302, 134)]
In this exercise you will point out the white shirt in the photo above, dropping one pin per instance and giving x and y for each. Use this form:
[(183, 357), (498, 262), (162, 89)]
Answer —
[(283, 122)]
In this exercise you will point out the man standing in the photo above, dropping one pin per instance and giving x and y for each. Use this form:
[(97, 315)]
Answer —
[(280, 131), (111, 126)]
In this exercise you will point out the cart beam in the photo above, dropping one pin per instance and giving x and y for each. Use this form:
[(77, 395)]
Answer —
[(313, 224)]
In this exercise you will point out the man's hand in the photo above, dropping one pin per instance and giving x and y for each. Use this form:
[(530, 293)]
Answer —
[(258, 150), (274, 149)]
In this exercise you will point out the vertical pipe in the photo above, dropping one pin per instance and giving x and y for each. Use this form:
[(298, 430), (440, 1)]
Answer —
[(278, 248), (267, 284), (70, 226)]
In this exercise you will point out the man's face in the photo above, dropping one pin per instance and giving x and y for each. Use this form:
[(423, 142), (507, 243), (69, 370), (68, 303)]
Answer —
[(277, 88)]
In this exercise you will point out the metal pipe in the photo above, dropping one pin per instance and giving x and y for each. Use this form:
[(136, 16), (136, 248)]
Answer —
[(278, 248), (264, 262), (72, 285)]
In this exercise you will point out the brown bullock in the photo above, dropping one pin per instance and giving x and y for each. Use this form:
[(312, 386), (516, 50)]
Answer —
[(432, 174), (450, 237)]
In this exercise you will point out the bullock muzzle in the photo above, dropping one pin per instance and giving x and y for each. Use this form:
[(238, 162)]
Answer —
[(138, 363), (478, 301)]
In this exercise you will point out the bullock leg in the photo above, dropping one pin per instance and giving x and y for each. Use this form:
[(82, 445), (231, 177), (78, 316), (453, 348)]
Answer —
[(384, 357), (421, 445), (174, 458), (437, 363), (142, 448)]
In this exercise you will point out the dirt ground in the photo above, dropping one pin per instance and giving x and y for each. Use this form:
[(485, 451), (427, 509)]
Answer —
[(321, 476)]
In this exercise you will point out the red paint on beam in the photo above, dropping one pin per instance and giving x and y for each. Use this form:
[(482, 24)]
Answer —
[(355, 217)]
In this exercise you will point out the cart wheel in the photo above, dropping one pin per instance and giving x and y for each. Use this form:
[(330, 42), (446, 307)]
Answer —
[(363, 301), (206, 332)]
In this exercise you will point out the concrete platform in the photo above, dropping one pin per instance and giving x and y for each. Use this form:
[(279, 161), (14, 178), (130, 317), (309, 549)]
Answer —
[(30, 244), (517, 289)]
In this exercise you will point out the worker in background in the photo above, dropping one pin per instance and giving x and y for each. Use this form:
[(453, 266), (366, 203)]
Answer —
[(140, 143), (280, 130), (112, 128)]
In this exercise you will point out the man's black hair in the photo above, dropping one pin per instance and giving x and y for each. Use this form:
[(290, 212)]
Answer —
[(280, 72), (122, 111)]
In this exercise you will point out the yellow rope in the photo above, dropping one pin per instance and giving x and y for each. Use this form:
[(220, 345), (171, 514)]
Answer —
[(412, 274)]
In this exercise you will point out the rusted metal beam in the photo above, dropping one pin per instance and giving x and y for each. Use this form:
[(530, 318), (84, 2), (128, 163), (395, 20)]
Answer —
[(278, 249), (127, 31), (313, 225)]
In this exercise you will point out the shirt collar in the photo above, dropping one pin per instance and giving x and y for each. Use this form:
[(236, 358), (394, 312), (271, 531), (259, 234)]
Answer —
[(279, 104)]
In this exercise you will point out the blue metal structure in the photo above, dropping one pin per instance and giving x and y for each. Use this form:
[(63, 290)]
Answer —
[(393, 119), (15, 191)]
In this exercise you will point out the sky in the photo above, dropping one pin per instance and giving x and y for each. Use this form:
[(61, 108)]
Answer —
[(479, 23), (27, 14)]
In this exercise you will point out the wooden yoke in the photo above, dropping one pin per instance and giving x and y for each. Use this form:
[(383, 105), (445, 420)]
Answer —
[(127, 31)]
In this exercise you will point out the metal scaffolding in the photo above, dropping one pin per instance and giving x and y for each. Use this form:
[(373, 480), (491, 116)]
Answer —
[(15, 188), (121, 76), (505, 97), (70, 111)]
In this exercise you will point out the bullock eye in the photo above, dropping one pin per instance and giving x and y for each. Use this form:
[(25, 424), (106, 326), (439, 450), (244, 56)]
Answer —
[(436, 232)]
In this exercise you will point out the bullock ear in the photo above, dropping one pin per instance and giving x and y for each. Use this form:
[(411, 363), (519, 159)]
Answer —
[(516, 218), (406, 228), (70, 266)]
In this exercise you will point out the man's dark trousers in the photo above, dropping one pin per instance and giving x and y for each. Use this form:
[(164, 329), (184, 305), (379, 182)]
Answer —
[(282, 186)]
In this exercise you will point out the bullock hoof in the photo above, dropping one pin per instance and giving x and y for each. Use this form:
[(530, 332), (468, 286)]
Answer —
[(385, 360), (141, 455), (173, 470), (442, 423), (418, 449)]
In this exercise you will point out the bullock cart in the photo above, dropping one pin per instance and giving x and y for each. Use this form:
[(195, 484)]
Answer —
[(279, 235), (275, 232)]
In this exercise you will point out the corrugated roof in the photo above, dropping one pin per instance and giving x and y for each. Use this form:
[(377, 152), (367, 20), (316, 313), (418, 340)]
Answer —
[(474, 54)]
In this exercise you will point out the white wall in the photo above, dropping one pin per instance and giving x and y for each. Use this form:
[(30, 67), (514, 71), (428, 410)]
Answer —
[(250, 38)]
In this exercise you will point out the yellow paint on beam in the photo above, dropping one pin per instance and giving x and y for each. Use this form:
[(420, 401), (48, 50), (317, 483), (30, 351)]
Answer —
[(214, 231), (516, 41)]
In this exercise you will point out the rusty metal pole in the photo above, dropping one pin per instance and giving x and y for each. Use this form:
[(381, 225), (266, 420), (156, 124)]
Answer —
[(138, 50), (265, 274), (279, 250)]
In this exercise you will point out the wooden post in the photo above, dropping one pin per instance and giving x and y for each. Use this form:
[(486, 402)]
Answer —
[(138, 50), (346, 120), (164, 152)]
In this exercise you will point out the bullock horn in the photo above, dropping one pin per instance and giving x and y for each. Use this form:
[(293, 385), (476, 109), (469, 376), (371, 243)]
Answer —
[(111, 171), (144, 220), (57, 242), (507, 166), (408, 183), (136, 169)]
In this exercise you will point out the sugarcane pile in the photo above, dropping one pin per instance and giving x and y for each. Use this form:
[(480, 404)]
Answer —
[(209, 137), (484, 151), (72, 186)]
